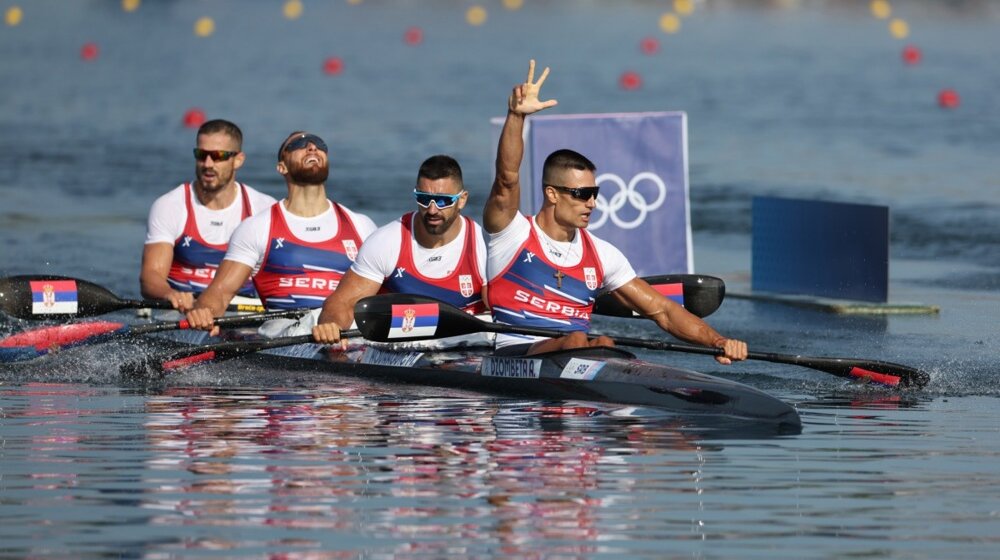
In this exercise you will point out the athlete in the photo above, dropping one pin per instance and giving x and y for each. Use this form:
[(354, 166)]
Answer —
[(433, 251), (298, 250), (546, 270), (189, 227)]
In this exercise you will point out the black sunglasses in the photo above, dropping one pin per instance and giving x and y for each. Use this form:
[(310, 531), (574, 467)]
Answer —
[(302, 141), (579, 193), (216, 155)]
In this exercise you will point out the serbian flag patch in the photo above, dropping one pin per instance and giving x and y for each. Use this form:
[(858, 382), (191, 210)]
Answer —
[(410, 321), (672, 291), (51, 297)]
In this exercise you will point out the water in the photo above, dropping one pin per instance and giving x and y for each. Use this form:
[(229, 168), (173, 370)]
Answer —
[(811, 102)]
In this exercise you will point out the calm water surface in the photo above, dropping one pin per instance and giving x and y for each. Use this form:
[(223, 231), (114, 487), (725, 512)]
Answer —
[(231, 461)]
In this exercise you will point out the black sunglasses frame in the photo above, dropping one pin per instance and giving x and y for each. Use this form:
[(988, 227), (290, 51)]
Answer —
[(303, 140), (216, 155), (580, 193)]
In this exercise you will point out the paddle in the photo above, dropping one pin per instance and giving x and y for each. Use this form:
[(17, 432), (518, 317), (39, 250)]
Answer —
[(213, 352), (698, 293), (32, 344), (61, 297), (402, 317)]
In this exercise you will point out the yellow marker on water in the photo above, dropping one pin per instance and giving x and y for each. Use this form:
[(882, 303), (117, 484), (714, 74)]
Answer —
[(683, 7), (881, 9), (899, 29), (204, 27), (670, 23), (354, 2), (513, 4), (293, 9), (13, 16), (476, 15), (130, 5)]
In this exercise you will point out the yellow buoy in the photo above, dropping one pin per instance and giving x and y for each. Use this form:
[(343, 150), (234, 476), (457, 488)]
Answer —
[(513, 4), (881, 9), (683, 7), (670, 23), (13, 16), (293, 9), (204, 27), (354, 2), (899, 29), (130, 5), (476, 15)]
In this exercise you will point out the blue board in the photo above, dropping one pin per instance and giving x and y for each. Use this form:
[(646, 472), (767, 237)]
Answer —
[(828, 249)]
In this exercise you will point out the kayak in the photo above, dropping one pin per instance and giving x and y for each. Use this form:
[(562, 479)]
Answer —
[(600, 375)]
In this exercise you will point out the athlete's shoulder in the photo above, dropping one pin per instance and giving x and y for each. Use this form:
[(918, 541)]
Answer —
[(365, 225), (173, 196), (260, 201)]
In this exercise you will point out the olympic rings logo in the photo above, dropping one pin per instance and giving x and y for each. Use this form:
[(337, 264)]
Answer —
[(628, 194)]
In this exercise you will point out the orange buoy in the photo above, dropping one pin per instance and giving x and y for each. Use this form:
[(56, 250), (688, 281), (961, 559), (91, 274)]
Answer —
[(649, 45), (194, 118), (912, 54), (333, 66), (89, 51), (630, 80), (948, 99)]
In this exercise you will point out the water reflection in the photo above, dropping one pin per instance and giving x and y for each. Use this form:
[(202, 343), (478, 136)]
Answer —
[(428, 473)]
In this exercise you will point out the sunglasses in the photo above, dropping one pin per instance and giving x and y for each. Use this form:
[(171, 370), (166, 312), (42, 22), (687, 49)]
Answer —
[(302, 141), (216, 155), (579, 193), (442, 201)]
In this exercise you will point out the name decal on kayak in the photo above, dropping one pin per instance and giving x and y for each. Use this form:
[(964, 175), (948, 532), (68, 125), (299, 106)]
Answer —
[(578, 368), (511, 367), (379, 357)]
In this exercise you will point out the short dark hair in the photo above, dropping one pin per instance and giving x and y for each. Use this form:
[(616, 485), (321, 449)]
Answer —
[(561, 160), (440, 167), (221, 125)]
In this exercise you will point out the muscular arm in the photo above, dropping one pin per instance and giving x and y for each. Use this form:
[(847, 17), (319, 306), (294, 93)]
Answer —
[(339, 306), (156, 261), (673, 318), (505, 195), (213, 301)]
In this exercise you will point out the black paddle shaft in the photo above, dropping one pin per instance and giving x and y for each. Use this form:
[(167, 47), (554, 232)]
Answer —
[(380, 318)]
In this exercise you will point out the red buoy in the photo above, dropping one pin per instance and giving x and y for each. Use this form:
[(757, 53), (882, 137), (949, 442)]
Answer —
[(194, 118), (630, 80), (89, 51), (649, 45), (948, 99), (912, 54), (333, 66), (414, 36)]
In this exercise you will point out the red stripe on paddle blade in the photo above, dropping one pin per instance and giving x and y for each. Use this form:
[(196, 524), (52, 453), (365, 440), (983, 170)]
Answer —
[(866, 375), (63, 335), (188, 361)]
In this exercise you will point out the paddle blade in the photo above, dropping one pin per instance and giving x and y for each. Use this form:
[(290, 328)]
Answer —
[(60, 298), (701, 295), (873, 371), (404, 317), (38, 342)]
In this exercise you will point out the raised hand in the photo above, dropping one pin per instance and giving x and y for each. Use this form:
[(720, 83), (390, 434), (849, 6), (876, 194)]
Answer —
[(524, 99)]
